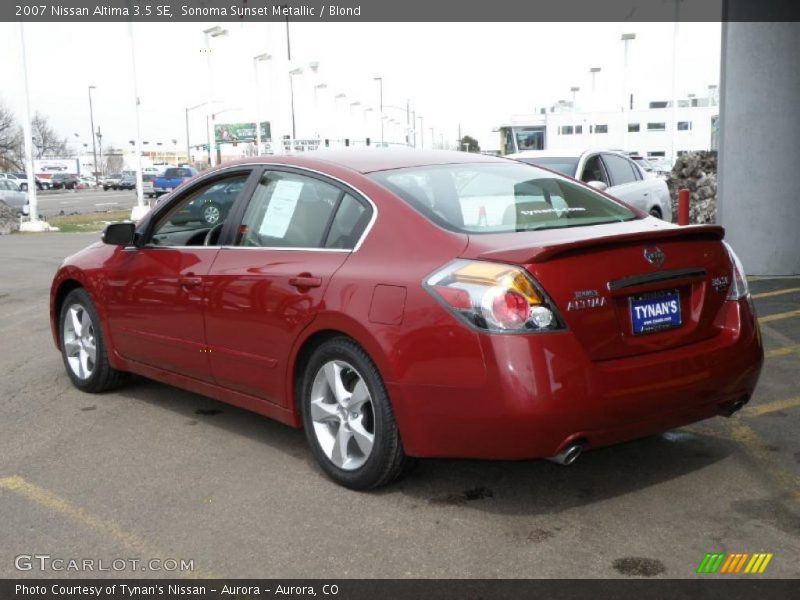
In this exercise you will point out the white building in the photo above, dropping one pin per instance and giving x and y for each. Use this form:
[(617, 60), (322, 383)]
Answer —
[(647, 131)]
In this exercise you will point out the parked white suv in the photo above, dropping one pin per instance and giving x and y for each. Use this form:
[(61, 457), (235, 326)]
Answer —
[(608, 171)]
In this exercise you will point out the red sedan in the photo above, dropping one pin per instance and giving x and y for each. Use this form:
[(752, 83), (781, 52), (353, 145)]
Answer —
[(401, 304)]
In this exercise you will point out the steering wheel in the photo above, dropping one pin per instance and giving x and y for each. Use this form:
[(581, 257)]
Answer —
[(215, 230)]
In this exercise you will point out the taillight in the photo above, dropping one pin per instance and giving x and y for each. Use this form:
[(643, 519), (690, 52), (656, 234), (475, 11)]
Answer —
[(493, 296), (739, 288)]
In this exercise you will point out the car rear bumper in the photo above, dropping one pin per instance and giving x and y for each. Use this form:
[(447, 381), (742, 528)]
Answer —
[(542, 393)]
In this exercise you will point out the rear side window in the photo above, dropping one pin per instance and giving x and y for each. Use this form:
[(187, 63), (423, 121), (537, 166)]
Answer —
[(500, 198), (288, 210), (619, 169)]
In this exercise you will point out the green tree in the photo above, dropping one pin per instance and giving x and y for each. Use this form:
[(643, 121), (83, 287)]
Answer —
[(470, 144)]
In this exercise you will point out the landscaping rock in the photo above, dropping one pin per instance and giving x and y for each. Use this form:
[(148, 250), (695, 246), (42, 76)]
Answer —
[(696, 172)]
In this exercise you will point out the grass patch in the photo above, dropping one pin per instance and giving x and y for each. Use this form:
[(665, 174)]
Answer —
[(88, 221)]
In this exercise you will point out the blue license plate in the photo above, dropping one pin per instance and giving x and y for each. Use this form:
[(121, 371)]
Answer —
[(655, 311)]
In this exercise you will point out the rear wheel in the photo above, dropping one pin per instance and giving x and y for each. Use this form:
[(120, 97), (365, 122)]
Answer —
[(83, 347), (656, 212), (348, 418)]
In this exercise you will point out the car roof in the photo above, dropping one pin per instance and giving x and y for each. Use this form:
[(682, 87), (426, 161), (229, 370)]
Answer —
[(369, 160)]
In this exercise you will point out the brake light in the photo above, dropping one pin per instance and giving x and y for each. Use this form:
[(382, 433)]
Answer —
[(493, 296), (739, 288)]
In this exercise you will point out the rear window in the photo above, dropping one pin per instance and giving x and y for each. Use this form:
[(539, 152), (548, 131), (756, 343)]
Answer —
[(176, 173), (498, 198)]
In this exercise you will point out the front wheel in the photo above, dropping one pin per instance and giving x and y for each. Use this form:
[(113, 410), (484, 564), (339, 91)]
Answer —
[(655, 212), (348, 418), (212, 214), (83, 346)]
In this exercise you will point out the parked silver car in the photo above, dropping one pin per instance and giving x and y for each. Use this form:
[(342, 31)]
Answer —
[(608, 171), (13, 196)]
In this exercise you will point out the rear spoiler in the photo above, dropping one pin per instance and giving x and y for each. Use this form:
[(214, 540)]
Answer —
[(545, 252)]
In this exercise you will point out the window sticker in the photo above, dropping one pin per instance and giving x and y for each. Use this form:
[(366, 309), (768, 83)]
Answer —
[(281, 208)]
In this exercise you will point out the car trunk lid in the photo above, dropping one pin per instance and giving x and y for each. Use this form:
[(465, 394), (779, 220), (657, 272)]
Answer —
[(627, 288)]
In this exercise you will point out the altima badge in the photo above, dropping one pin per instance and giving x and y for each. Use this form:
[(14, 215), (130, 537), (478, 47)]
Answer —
[(654, 255), (586, 299)]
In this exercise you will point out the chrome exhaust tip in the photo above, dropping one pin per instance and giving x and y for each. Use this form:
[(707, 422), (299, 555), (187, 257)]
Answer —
[(568, 455)]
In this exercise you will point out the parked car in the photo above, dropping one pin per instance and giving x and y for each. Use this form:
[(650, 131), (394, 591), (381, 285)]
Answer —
[(64, 180), (88, 182), (11, 194), (22, 181), (210, 208), (111, 182), (147, 184), (126, 182), (608, 171), (368, 297), (172, 178)]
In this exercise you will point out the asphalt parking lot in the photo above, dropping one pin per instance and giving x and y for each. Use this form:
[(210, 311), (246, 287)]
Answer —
[(55, 202), (152, 471)]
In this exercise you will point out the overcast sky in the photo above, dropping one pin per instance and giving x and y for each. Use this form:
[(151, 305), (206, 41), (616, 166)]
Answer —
[(475, 74)]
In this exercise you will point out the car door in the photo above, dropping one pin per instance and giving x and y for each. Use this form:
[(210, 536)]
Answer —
[(625, 184), (268, 285), (157, 290)]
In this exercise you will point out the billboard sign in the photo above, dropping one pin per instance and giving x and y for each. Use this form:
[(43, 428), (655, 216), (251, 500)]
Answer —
[(232, 133), (49, 166)]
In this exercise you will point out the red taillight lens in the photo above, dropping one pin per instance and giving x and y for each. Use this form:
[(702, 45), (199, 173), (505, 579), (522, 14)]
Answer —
[(493, 296), (509, 309)]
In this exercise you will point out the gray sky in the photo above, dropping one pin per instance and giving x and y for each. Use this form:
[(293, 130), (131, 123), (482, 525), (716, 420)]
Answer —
[(476, 74)]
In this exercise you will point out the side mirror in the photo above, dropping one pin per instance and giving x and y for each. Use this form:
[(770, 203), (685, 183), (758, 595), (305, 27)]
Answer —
[(598, 185), (119, 234)]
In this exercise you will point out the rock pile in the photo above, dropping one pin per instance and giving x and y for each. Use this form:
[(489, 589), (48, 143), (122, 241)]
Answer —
[(9, 220), (697, 172)]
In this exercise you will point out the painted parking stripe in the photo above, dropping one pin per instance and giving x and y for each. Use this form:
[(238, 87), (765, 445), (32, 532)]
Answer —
[(51, 501), (779, 316), (771, 407), (776, 293), (785, 351)]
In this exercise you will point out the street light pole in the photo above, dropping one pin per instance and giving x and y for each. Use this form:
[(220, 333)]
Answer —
[(292, 73), (594, 71), (626, 39), (94, 144), (256, 60), (140, 209), (421, 133), (212, 32), (34, 224), (380, 87)]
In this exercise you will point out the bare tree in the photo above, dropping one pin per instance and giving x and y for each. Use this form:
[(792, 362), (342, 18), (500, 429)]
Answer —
[(45, 139), (114, 160), (10, 140)]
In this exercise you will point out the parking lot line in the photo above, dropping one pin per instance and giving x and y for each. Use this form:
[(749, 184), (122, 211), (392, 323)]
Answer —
[(776, 293), (105, 527), (771, 407), (779, 316), (785, 351)]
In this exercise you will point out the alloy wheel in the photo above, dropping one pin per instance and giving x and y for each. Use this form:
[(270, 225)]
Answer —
[(211, 214), (342, 414), (79, 341)]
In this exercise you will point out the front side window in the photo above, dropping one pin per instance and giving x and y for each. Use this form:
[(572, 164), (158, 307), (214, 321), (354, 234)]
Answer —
[(288, 210), (202, 209), (499, 198)]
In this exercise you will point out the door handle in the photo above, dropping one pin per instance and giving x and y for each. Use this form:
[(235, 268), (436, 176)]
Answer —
[(189, 282), (305, 281)]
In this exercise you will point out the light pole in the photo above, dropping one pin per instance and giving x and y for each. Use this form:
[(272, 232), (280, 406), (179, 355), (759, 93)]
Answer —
[(351, 121), (626, 39), (292, 73), (594, 71), (140, 209), (257, 59), (336, 98), (94, 144), (188, 146), (366, 124), (380, 92), (34, 224), (422, 133), (318, 86), (209, 33)]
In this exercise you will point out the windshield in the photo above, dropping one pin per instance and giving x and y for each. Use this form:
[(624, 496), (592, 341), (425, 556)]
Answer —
[(492, 198), (564, 165)]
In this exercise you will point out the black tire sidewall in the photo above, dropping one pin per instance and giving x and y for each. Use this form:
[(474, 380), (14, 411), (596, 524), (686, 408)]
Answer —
[(371, 473)]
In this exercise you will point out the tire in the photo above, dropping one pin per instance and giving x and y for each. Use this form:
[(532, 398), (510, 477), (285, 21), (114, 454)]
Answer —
[(361, 464), (89, 375), (656, 212), (23, 187), (212, 214)]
